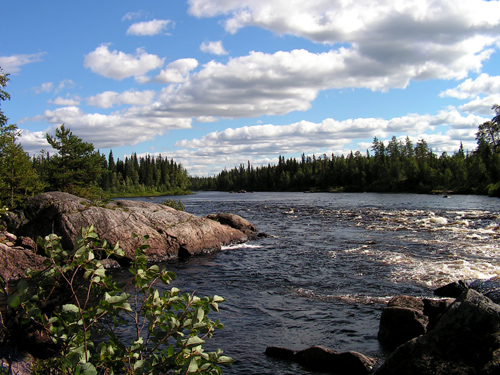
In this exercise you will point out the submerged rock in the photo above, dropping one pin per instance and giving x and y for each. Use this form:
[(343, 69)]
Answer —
[(326, 360), (466, 340), (171, 233)]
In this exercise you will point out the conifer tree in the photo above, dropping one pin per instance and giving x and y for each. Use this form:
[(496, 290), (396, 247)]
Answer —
[(76, 168)]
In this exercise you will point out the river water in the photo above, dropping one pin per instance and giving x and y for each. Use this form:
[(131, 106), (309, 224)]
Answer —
[(331, 263)]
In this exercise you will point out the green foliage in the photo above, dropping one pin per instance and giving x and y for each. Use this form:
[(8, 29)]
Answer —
[(146, 175), (17, 176), (178, 205), (166, 329), (76, 168)]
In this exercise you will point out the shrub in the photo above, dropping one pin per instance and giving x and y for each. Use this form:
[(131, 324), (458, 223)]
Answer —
[(178, 205), (167, 329)]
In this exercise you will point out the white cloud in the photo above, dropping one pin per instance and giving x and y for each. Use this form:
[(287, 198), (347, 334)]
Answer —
[(177, 71), (116, 129), (65, 101), (119, 65), (45, 87), (213, 47), (109, 99), (149, 28), (484, 84), (481, 105), (134, 15), (34, 142), (271, 140), (12, 64), (419, 39)]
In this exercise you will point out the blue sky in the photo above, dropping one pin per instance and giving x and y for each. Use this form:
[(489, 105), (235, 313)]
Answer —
[(215, 83)]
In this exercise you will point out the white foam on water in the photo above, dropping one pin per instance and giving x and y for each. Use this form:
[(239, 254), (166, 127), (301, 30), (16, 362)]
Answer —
[(241, 246)]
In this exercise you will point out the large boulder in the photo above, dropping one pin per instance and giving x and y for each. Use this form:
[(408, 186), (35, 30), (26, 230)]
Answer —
[(171, 233), (327, 360), (466, 340), (407, 317)]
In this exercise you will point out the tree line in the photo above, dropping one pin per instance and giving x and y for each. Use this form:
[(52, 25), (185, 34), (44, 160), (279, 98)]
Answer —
[(396, 166), (77, 168)]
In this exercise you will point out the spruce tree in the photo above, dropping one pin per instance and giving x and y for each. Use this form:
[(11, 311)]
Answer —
[(76, 168)]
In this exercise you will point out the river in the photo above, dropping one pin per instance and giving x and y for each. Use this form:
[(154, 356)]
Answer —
[(331, 263)]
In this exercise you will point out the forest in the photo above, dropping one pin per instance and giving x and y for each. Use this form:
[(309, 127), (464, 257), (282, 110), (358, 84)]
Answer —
[(394, 166)]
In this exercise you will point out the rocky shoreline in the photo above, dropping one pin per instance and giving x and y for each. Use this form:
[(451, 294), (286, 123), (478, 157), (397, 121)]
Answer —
[(171, 233), (427, 336)]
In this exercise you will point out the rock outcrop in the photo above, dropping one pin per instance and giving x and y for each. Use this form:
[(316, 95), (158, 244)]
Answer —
[(407, 317), (466, 340), (326, 360), (171, 233)]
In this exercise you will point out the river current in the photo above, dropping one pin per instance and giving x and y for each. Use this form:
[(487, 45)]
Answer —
[(329, 266)]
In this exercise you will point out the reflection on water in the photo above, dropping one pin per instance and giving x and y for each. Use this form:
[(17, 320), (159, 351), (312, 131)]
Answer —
[(330, 265)]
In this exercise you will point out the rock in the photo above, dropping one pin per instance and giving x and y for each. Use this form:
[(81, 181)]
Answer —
[(15, 261), (402, 320), (26, 243), (280, 353), (171, 233), (466, 340), (323, 359), (14, 362), (235, 221), (407, 317), (488, 287)]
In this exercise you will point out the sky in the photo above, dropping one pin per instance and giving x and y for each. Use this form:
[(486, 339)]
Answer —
[(216, 83)]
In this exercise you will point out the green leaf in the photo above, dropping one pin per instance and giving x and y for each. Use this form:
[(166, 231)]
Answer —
[(218, 299), (70, 308), (195, 340), (87, 369), (200, 315), (225, 360), (193, 366), (14, 301)]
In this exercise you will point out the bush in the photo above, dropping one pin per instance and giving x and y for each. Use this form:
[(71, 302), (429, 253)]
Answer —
[(168, 329), (177, 205)]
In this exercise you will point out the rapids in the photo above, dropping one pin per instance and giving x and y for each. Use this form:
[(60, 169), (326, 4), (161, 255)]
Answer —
[(331, 263)]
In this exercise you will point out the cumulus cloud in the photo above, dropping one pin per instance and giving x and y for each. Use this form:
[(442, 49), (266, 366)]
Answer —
[(484, 84), (116, 129), (215, 48), (421, 39), (149, 28), (12, 64), (481, 105), (119, 65), (177, 71), (266, 140), (109, 99), (274, 84)]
